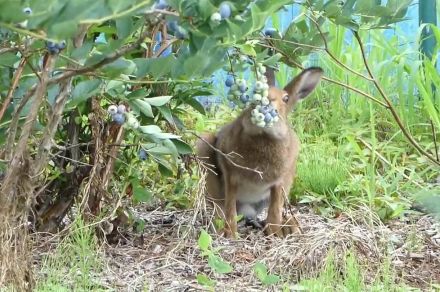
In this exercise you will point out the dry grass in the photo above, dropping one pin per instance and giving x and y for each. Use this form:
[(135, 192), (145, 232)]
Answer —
[(167, 258)]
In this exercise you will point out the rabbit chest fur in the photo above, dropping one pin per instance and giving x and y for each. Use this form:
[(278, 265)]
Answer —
[(272, 152)]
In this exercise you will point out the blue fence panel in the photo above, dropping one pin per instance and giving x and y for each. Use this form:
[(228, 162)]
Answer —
[(408, 29)]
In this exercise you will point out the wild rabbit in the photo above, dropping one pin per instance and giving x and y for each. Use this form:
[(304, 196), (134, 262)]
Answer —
[(256, 164)]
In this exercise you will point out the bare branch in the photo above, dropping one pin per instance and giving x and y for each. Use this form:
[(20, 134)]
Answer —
[(57, 112), (391, 107), (16, 163), (333, 57), (17, 76), (369, 96), (228, 156)]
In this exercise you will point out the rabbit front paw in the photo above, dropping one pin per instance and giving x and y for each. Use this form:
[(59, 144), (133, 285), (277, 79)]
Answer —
[(289, 226), (230, 231)]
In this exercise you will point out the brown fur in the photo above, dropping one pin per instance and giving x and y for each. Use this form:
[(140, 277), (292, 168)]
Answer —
[(272, 151)]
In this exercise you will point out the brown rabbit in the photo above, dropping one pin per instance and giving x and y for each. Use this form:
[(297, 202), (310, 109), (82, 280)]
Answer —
[(271, 151)]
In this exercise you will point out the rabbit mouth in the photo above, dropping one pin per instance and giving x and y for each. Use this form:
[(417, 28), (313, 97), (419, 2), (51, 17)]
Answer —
[(277, 131)]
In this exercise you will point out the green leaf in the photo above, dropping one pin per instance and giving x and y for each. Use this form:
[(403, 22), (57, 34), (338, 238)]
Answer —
[(164, 170), (118, 5), (271, 279), (172, 148), (158, 100), (63, 30), (160, 150), (273, 60), (124, 26), (204, 280), (150, 129), (143, 106), (83, 90), (140, 225), (182, 147), (118, 67), (205, 8), (166, 113), (165, 136), (204, 240), (260, 271), (218, 265), (195, 104), (248, 49), (140, 193), (137, 93), (156, 68), (8, 59)]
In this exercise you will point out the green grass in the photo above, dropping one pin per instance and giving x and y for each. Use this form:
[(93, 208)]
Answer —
[(350, 276), (72, 266)]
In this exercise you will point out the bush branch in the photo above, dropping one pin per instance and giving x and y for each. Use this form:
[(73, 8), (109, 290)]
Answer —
[(390, 105)]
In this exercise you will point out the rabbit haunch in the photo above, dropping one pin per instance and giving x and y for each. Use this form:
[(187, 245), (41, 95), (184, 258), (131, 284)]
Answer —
[(272, 152)]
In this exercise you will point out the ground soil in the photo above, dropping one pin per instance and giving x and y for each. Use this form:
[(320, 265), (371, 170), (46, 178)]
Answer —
[(166, 256)]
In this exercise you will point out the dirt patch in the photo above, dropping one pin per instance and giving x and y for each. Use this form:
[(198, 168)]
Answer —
[(167, 258)]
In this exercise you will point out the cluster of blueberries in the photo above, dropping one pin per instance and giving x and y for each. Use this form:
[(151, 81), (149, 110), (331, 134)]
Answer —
[(224, 12), (120, 116), (55, 48), (238, 88), (264, 114), (117, 113)]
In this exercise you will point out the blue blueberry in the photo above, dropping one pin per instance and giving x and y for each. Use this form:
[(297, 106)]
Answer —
[(61, 45), (264, 110), (119, 118), (143, 155), (54, 51), (274, 113), (161, 4), (244, 98), (167, 52), (173, 25), (121, 108), (242, 88), (270, 32), (268, 117), (229, 81), (225, 10)]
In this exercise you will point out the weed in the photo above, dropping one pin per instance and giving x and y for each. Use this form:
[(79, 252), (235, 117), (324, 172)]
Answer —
[(74, 263)]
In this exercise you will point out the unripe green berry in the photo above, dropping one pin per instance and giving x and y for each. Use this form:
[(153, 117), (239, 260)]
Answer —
[(257, 97)]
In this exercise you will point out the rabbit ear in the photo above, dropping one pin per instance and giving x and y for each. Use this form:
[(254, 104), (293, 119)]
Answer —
[(303, 84), (270, 75)]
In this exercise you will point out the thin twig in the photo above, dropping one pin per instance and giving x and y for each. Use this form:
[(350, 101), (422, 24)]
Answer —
[(434, 137), (391, 107), (57, 112), (227, 156), (14, 84), (107, 60), (333, 57), (16, 164), (369, 96)]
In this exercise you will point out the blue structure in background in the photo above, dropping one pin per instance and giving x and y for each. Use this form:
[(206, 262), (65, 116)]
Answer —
[(407, 28)]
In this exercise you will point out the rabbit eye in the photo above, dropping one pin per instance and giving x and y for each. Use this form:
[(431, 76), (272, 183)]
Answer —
[(286, 98)]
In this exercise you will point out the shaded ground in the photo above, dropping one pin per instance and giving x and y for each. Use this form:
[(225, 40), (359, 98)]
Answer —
[(167, 258)]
